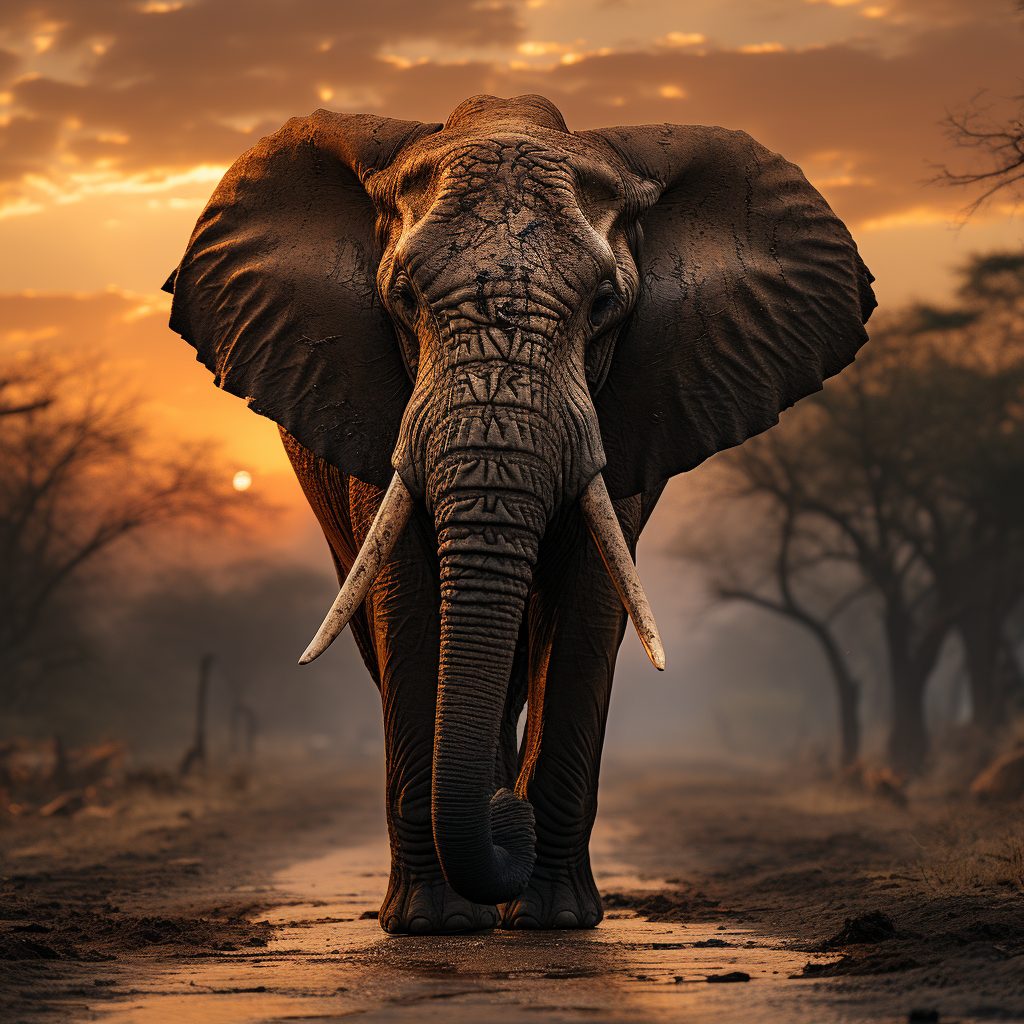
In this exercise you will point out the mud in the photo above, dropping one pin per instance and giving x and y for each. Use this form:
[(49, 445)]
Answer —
[(797, 902)]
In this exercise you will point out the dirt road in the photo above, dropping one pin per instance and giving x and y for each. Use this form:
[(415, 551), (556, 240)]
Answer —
[(212, 906)]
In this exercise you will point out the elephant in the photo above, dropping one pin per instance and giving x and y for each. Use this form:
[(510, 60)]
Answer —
[(488, 344)]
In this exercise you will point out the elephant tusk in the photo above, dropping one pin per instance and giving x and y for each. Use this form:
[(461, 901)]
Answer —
[(607, 533), (384, 532)]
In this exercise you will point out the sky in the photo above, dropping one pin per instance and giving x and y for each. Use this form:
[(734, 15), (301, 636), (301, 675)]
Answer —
[(118, 117)]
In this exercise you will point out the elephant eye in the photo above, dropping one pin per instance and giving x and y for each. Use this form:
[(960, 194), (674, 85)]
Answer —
[(604, 302), (405, 294)]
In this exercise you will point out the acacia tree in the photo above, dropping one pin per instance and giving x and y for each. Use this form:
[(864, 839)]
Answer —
[(798, 554), (753, 538), (831, 473), (970, 528), (996, 678), (899, 487), (77, 476)]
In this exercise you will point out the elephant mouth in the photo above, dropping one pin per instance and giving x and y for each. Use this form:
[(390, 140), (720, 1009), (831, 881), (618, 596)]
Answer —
[(394, 513)]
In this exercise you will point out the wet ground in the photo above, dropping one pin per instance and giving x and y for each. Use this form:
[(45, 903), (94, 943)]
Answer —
[(727, 900), (329, 959)]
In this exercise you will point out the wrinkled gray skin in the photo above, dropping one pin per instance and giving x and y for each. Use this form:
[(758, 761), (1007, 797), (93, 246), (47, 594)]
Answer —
[(477, 305)]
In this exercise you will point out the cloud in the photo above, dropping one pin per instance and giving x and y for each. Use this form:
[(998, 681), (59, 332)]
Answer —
[(138, 85), (120, 95), (879, 117), (930, 14), (865, 127), (10, 63), (945, 13), (684, 39), (27, 146)]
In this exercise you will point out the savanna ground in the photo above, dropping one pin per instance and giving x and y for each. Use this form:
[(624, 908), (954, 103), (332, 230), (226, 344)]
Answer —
[(901, 913)]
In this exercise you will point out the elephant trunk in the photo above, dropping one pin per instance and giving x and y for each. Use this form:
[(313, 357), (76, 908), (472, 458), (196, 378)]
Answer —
[(498, 435), (488, 548)]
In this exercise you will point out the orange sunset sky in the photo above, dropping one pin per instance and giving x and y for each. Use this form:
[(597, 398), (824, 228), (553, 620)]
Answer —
[(117, 117)]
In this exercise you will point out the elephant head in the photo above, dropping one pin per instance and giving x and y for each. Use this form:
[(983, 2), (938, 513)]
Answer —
[(499, 318)]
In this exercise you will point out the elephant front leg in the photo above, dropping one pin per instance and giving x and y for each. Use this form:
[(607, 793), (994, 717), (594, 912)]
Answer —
[(404, 627), (577, 624), (397, 631), (418, 901)]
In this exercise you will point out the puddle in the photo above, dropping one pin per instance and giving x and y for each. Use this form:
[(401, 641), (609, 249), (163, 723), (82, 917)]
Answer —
[(326, 963)]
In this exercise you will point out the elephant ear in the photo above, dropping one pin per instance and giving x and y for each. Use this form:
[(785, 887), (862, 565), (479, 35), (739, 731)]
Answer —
[(277, 290), (752, 294)]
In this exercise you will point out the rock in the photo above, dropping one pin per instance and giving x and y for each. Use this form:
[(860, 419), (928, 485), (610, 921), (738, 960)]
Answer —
[(26, 949), (1003, 779), (867, 929), (732, 976), (888, 785), (665, 907), (859, 966), (923, 1017), (878, 782)]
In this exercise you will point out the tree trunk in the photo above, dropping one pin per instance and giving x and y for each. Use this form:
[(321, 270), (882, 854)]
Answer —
[(982, 642), (914, 647), (908, 740), (849, 719), (847, 688)]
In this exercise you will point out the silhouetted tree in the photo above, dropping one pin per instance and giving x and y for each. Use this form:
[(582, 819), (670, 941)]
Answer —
[(77, 476), (760, 547), (973, 514), (1000, 145), (900, 487)]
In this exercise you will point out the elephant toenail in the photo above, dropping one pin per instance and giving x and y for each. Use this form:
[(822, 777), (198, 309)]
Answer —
[(457, 923), (394, 926), (566, 919), (420, 926), (526, 922)]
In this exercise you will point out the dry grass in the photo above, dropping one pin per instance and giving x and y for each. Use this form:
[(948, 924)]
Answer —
[(973, 853), (1014, 856)]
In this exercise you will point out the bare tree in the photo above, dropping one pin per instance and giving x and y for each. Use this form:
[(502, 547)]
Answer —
[(774, 557), (899, 489), (998, 143), (77, 476), (970, 527), (829, 473)]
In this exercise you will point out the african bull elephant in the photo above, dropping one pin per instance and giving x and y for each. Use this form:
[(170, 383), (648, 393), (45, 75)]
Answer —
[(488, 344)]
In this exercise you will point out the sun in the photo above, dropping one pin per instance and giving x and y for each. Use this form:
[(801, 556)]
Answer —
[(242, 480)]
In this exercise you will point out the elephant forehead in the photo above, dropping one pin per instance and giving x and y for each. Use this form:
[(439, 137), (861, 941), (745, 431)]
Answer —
[(508, 206), (462, 175), (493, 254)]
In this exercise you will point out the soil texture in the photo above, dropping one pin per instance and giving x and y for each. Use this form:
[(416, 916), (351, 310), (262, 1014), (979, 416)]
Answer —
[(885, 912)]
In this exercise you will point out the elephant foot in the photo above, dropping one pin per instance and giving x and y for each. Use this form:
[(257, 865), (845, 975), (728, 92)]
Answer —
[(432, 908), (565, 899)]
